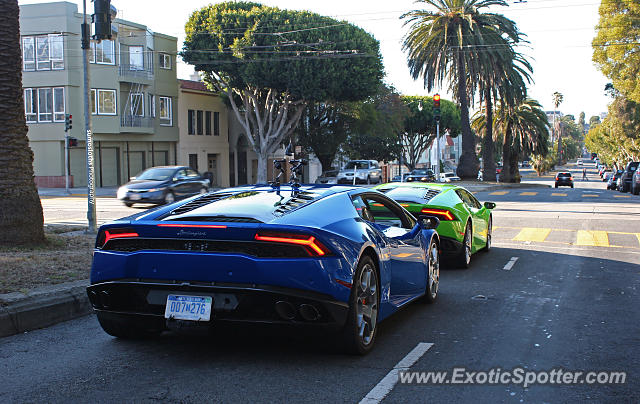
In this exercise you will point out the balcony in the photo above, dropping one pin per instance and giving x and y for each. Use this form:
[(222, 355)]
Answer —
[(133, 121), (135, 71)]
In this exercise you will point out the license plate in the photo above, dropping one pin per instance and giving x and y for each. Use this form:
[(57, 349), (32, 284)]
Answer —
[(194, 308), (135, 197)]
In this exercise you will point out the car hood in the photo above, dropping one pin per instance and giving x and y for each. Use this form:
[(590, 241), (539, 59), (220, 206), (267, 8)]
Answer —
[(145, 184)]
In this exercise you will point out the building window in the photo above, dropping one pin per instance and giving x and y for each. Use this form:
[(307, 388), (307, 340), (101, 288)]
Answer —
[(28, 53), (165, 61), (58, 104), (199, 122), (56, 51), (166, 114), (45, 105), (191, 122), (193, 161), (105, 100), (137, 104), (30, 105), (216, 123), (152, 106), (207, 123), (103, 52), (136, 58)]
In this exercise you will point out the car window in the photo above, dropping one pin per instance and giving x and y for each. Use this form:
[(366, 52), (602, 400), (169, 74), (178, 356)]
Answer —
[(360, 165), (468, 199), (181, 174), (192, 173), (386, 212)]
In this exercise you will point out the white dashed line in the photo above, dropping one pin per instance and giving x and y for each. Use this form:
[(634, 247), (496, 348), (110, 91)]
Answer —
[(384, 387), (510, 264)]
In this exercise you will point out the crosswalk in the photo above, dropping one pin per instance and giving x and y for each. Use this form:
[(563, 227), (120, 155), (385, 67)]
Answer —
[(584, 194), (592, 238)]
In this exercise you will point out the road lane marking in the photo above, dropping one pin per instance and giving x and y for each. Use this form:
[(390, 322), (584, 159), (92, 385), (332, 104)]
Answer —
[(622, 196), (590, 196), (528, 193), (638, 236), (558, 194), (499, 193), (532, 234), (596, 238), (384, 387), (510, 264)]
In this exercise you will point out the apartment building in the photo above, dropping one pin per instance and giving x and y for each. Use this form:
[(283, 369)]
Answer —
[(134, 96), (204, 132)]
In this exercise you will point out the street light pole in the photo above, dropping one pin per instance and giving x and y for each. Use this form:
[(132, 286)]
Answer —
[(91, 186), (438, 150)]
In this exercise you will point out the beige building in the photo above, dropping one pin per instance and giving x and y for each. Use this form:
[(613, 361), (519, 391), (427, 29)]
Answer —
[(204, 131), (134, 96)]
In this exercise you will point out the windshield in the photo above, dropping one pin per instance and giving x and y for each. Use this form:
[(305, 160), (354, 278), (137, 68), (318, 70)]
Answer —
[(360, 165), (156, 174), (449, 174)]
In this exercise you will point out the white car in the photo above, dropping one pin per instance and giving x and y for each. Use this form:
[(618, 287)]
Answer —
[(364, 171), (449, 177), (579, 162)]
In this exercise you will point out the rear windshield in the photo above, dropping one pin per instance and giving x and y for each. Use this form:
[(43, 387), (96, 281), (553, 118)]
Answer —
[(421, 172), (564, 175)]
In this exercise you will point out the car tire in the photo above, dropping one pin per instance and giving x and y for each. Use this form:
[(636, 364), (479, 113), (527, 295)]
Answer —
[(169, 197), (556, 185), (368, 180), (126, 327), (635, 190), (433, 273), (364, 305), (571, 185), (128, 204), (463, 259), (487, 246)]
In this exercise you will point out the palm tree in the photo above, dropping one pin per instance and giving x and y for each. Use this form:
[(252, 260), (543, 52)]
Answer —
[(444, 44), (526, 131), (557, 100), (21, 218)]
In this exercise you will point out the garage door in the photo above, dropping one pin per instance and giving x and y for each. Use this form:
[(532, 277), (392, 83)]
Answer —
[(78, 166), (136, 163), (107, 167)]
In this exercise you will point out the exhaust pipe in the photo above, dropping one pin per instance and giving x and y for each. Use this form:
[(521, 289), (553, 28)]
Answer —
[(285, 310), (309, 312)]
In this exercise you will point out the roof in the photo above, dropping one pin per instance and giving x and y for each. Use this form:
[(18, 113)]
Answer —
[(194, 85)]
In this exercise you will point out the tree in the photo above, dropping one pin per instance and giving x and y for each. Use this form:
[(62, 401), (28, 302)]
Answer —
[(616, 48), (444, 44), (594, 120), (557, 100), (420, 126), (526, 131), (375, 132), (581, 122), (21, 221), (271, 62)]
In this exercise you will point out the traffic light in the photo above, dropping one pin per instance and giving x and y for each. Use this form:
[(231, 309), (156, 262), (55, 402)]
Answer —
[(101, 19), (68, 122), (436, 106), (72, 141)]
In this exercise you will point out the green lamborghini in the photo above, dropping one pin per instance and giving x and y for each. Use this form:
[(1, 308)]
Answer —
[(465, 223)]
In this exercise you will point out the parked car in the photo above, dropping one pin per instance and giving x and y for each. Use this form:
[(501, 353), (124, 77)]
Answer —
[(526, 164), (342, 258), (564, 179), (365, 171), (465, 224), (449, 177), (612, 182), (579, 163), (605, 175), (396, 178), (635, 182), (163, 184), (421, 175), (328, 177), (624, 182)]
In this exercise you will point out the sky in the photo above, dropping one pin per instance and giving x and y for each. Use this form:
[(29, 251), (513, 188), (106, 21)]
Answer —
[(559, 31)]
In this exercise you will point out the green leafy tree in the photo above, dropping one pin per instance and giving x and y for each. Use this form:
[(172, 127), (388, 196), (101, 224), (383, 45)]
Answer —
[(526, 132), (271, 62), (444, 44), (558, 98), (581, 122), (420, 126), (616, 48), (594, 120), (375, 132), (21, 220)]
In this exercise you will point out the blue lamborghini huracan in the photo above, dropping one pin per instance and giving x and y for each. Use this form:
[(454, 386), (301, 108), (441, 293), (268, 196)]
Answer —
[(338, 256)]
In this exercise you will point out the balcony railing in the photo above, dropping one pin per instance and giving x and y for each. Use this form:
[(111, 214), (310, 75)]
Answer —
[(132, 121), (135, 71)]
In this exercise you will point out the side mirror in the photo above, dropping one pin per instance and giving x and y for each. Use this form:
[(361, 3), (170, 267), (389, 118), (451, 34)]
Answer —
[(428, 222), (132, 178), (489, 205)]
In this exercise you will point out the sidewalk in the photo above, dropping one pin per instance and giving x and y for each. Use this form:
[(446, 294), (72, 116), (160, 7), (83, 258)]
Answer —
[(106, 192)]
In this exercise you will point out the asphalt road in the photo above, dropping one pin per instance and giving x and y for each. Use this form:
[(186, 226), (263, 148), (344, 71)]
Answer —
[(570, 300)]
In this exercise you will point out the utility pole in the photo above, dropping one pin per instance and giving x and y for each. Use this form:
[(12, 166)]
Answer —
[(91, 185)]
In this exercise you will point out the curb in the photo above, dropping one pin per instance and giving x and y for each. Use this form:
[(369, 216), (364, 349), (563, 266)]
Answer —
[(42, 307)]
